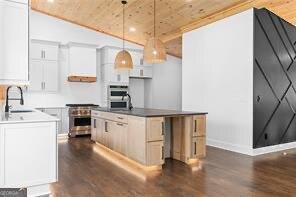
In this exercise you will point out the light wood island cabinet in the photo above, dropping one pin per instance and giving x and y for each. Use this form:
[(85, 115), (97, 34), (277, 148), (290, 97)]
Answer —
[(141, 137)]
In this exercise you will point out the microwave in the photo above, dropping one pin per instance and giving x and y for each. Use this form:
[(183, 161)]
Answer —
[(118, 104), (115, 95), (116, 92)]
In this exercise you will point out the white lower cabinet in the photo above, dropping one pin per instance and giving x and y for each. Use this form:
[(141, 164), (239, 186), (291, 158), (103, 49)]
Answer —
[(28, 154)]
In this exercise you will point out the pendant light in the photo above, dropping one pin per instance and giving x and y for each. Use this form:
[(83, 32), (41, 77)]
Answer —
[(154, 50), (123, 58)]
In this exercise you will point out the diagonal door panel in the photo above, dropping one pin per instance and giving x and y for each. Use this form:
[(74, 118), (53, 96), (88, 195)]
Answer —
[(290, 135), (290, 30), (274, 38), (269, 62), (277, 126), (291, 97), (265, 102)]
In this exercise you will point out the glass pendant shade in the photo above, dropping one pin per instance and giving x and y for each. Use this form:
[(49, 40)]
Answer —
[(154, 51), (123, 60)]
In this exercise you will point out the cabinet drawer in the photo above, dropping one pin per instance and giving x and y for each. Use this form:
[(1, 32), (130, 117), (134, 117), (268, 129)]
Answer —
[(110, 116), (199, 125), (155, 153), (155, 129), (198, 147)]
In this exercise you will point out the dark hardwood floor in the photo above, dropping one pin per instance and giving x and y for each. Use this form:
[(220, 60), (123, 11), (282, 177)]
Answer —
[(83, 172)]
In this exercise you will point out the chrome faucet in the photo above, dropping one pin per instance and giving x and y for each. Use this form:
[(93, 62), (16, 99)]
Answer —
[(130, 105), (7, 107)]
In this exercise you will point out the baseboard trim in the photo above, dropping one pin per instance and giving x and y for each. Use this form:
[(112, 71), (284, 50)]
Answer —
[(230, 147), (275, 148), (250, 151), (63, 136)]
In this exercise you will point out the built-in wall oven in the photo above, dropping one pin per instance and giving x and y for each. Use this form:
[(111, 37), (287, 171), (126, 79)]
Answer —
[(115, 97)]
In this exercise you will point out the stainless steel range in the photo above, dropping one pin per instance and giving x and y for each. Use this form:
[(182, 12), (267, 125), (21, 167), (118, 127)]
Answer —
[(80, 119)]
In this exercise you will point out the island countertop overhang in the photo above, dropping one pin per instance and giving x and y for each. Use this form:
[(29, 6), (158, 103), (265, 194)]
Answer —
[(147, 112)]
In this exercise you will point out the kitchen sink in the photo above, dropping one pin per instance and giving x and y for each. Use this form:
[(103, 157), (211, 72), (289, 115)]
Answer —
[(21, 111)]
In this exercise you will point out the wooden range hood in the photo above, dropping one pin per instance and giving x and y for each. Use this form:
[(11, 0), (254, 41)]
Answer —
[(82, 79)]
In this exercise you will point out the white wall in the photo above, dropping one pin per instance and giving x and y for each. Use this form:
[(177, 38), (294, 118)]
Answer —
[(218, 78), (44, 27), (166, 86)]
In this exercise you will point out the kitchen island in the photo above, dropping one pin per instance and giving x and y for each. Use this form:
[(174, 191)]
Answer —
[(28, 151), (148, 136)]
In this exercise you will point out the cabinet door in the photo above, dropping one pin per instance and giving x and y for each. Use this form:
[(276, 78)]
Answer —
[(155, 129), (199, 125), (121, 76), (45, 51), (136, 139), (106, 134), (14, 40), (100, 128), (112, 135), (50, 52), (93, 129), (36, 51), (141, 72), (50, 76), (27, 165), (120, 138), (36, 75), (198, 147), (155, 153)]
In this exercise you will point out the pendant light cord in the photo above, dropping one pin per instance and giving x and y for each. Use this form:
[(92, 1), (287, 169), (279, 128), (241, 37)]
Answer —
[(154, 6), (123, 42)]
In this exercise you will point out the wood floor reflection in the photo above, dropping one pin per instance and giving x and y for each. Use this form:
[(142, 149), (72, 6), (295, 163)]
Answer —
[(83, 172)]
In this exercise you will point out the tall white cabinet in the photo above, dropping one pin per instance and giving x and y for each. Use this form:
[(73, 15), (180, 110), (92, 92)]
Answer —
[(44, 70), (121, 77), (14, 42)]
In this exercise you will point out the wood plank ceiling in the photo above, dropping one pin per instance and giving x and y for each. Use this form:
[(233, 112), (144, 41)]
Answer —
[(172, 16)]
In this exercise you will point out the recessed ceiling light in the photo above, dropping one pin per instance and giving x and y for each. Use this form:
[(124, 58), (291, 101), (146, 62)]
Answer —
[(132, 29), (50, 1)]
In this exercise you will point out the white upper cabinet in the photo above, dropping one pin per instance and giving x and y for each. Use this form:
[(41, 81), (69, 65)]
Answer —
[(44, 69), (14, 39), (141, 72), (44, 76), (44, 50), (112, 76), (82, 60)]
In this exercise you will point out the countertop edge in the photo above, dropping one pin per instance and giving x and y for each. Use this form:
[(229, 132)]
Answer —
[(184, 113)]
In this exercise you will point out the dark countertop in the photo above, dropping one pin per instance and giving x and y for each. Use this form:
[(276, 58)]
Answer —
[(146, 112)]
